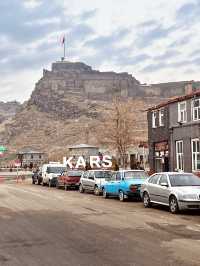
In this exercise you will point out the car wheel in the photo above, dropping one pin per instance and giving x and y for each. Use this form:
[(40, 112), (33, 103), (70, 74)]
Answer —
[(96, 191), (121, 195), (81, 189), (173, 205), (146, 200), (105, 194)]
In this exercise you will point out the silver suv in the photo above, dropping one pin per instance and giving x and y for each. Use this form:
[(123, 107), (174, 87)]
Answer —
[(92, 181), (177, 190)]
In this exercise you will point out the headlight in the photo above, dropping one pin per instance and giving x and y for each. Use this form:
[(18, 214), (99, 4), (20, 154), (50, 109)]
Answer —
[(190, 196)]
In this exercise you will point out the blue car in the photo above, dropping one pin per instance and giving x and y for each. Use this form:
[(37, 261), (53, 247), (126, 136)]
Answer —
[(124, 184)]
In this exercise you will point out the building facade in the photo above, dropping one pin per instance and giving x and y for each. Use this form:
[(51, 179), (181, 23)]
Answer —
[(174, 134), (30, 158)]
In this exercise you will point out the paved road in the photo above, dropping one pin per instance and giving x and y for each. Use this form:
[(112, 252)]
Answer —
[(41, 226)]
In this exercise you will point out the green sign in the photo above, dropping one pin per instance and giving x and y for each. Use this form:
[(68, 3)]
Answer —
[(3, 149)]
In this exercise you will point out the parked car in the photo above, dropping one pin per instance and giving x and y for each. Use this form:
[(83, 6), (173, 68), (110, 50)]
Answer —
[(50, 172), (124, 184), (69, 179), (91, 180), (179, 191), (37, 177)]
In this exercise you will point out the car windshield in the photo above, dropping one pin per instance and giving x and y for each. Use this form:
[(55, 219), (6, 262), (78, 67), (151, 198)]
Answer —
[(103, 174), (74, 173), (55, 170), (135, 175), (181, 180)]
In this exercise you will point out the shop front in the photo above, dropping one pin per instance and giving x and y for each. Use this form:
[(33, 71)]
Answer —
[(161, 156)]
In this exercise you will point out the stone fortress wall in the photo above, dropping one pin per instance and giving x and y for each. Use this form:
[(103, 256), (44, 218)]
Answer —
[(75, 80)]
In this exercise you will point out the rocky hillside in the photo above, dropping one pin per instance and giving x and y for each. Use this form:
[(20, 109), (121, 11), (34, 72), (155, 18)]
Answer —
[(68, 105), (7, 112)]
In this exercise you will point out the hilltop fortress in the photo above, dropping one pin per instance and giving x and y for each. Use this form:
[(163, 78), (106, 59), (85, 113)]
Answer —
[(79, 79)]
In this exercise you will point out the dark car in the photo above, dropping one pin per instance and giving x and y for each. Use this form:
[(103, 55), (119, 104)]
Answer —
[(69, 179), (37, 177)]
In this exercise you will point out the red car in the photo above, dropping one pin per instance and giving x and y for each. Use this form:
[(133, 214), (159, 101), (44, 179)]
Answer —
[(69, 179)]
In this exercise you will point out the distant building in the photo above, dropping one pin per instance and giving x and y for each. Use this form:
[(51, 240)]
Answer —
[(174, 134), (30, 157), (138, 156), (84, 150)]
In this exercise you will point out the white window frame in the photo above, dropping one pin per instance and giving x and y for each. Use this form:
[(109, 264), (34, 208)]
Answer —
[(195, 109), (195, 154), (161, 117), (154, 116), (179, 156), (184, 112)]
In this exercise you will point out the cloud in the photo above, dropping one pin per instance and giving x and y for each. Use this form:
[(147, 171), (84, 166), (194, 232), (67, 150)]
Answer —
[(149, 34), (88, 14), (108, 40), (154, 67), (188, 13), (167, 55), (151, 38)]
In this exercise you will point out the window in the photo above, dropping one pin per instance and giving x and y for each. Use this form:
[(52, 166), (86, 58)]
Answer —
[(196, 109), (118, 176), (91, 175), (195, 154), (154, 119), (179, 155), (85, 175), (154, 179), (163, 179), (182, 112), (161, 117)]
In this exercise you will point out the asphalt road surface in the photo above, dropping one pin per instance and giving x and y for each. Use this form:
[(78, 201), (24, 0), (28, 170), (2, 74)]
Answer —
[(50, 227)]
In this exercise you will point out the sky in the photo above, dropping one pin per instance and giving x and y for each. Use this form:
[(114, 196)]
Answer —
[(155, 41)]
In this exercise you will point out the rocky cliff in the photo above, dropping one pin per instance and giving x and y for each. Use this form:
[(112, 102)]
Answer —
[(68, 104)]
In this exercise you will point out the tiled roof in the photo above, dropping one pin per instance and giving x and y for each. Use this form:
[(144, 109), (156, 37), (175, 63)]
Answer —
[(175, 99)]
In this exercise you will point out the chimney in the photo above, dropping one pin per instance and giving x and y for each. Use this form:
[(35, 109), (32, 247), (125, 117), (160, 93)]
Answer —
[(189, 87)]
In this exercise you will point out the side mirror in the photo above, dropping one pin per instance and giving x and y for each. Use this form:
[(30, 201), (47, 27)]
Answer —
[(164, 184)]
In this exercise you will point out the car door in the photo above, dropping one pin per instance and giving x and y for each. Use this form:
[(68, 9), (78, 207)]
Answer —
[(152, 187), (116, 184), (109, 184), (163, 189), (90, 181), (84, 180)]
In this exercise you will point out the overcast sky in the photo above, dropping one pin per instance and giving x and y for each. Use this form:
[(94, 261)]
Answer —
[(155, 41)]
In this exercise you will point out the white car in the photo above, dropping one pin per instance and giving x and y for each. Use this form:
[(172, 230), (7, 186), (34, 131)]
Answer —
[(50, 172), (179, 191), (92, 180)]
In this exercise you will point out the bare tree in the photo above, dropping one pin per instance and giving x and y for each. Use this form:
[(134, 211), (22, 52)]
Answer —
[(117, 127)]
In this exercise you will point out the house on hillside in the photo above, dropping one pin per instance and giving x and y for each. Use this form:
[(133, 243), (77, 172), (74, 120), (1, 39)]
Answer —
[(174, 134), (30, 157), (84, 150)]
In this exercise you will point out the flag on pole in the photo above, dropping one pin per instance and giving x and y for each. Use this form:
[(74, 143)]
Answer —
[(63, 44), (63, 40)]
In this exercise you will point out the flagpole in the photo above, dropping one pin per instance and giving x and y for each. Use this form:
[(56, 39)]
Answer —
[(64, 49)]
